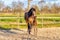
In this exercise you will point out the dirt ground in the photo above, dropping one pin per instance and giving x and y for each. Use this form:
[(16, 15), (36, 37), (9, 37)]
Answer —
[(42, 34)]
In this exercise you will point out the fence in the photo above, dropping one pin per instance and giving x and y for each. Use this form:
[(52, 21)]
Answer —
[(55, 20)]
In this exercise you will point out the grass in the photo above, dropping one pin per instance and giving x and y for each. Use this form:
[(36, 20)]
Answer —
[(12, 26), (48, 15), (8, 23), (39, 15), (21, 20), (9, 20), (45, 19)]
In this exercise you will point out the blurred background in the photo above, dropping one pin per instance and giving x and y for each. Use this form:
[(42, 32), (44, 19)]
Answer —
[(12, 13)]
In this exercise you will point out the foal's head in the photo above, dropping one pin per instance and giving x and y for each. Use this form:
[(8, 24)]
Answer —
[(31, 12)]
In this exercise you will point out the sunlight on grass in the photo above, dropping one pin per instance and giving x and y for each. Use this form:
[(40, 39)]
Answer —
[(12, 23)]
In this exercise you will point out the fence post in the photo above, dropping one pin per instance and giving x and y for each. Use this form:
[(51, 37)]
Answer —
[(18, 20), (42, 19)]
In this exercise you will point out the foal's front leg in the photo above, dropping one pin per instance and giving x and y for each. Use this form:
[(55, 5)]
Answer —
[(29, 28)]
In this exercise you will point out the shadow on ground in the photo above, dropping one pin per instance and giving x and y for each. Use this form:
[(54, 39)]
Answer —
[(21, 35)]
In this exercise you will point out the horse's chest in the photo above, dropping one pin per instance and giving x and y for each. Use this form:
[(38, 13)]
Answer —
[(31, 19)]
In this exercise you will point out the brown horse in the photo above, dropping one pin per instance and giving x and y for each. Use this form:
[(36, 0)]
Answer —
[(30, 19)]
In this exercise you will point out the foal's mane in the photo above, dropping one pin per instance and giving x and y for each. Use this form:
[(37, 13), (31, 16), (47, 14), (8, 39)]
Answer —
[(30, 12)]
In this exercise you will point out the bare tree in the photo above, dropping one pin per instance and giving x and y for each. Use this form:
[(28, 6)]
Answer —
[(41, 3), (20, 6), (1, 5), (17, 6), (45, 9), (54, 8), (7, 9), (29, 4), (14, 4)]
